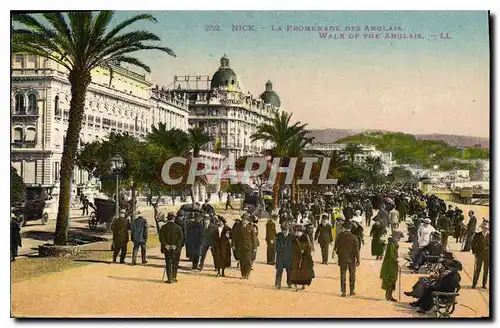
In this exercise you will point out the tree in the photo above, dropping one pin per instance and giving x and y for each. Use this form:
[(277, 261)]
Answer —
[(80, 42), (338, 164), (17, 187), (373, 166), (351, 150), (281, 133), (197, 140), (400, 174)]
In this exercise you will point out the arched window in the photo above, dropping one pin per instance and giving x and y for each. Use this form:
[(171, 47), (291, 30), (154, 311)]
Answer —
[(20, 103), (18, 135), (30, 134), (57, 111), (32, 106)]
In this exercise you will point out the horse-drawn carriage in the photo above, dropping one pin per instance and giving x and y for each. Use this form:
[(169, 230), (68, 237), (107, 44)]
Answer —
[(33, 207), (103, 212)]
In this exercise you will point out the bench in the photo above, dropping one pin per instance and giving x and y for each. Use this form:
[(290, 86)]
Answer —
[(444, 303)]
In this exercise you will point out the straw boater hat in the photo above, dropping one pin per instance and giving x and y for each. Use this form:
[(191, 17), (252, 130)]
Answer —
[(426, 220)]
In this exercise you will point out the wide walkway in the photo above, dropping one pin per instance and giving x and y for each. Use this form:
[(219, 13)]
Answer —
[(114, 290)]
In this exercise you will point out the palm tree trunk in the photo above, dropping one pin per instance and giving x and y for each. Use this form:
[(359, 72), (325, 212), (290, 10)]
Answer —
[(79, 80), (276, 189), (134, 197), (191, 193), (294, 189)]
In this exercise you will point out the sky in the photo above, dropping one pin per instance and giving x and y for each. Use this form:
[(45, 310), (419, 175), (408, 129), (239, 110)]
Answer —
[(436, 82)]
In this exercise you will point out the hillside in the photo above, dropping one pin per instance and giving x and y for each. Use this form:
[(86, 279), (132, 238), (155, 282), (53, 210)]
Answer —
[(408, 149), (332, 135)]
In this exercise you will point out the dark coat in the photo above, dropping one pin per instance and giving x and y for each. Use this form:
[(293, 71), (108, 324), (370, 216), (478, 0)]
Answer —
[(247, 238), (377, 244), (348, 212), (120, 228), (324, 234), (207, 234), (222, 248), (255, 236), (270, 231), (357, 230), (194, 231), (301, 270), (383, 218), (139, 231), (283, 248), (471, 226), (15, 235), (481, 245), (237, 238), (347, 247), (444, 223), (171, 234)]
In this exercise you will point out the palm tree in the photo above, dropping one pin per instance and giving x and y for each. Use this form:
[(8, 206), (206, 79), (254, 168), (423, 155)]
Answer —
[(282, 134), (197, 140), (176, 141), (298, 148), (80, 42), (351, 150), (338, 164), (373, 164)]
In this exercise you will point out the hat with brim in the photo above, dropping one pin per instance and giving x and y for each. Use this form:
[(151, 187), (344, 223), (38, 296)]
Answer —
[(426, 220)]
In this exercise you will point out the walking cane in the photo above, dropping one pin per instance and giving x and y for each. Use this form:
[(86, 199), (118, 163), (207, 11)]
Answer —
[(399, 273)]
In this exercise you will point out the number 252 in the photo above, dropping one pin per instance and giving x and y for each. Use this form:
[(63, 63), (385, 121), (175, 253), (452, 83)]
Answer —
[(212, 28)]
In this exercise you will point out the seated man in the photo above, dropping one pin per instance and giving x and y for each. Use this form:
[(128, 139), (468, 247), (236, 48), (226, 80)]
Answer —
[(422, 282), (434, 248), (448, 282)]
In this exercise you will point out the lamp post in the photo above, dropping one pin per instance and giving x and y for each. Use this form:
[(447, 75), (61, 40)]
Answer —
[(116, 166)]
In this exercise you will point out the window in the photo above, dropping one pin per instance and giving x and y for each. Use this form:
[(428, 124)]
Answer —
[(57, 111), (32, 106), (18, 135), (57, 138), (20, 104), (19, 61), (56, 171), (30, 134)]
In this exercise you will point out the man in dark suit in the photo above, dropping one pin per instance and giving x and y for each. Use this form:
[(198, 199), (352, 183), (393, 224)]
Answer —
[(120, 227), (283, 255), (139, 236), (207, 234), (247, 247), (444, 225), (171, 241), (324, 237), (481, 250), (471, 229), (347, 249), (237, 238), (271, 239)]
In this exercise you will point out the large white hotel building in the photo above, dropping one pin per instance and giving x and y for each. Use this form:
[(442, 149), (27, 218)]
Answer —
[(40, 106)]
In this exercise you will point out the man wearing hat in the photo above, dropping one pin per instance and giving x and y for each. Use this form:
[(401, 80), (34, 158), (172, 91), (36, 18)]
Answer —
[(15, 237), (207, 236), (283, 255), (247, 247), (471, 229), (444, 226), (347, 249), (171, 240), (481, 251), (324, 236), (139, 236), (236, 232), (120, 227), (271, 239)]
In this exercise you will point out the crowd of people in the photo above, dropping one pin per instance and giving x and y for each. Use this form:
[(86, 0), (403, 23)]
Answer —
[(335, 217)]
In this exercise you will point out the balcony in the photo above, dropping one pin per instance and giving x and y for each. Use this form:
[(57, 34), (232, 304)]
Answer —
[(23, 144)]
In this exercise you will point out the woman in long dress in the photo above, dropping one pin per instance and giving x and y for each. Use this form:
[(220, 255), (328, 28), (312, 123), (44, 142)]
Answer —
[(377, 232), (222, 247), (301, 272), (389, 271)]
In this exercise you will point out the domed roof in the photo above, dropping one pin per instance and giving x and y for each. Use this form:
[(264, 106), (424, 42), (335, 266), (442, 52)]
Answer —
[(225, 76), (269, 96)]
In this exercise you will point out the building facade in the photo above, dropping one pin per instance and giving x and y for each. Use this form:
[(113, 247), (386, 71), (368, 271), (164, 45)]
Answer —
[(40, 111), (367, 151), (220, 107)]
